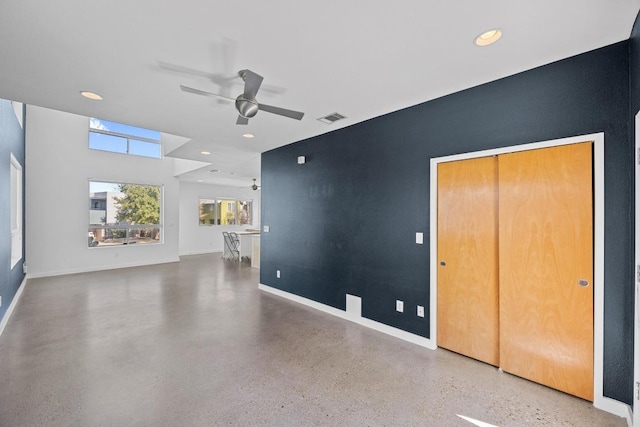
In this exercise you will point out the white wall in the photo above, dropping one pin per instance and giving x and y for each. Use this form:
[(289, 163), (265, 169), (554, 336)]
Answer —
[(60, 165), (195, 238)]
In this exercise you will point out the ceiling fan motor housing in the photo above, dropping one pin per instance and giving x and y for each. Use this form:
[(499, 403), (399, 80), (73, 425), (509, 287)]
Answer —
[(246, 107)]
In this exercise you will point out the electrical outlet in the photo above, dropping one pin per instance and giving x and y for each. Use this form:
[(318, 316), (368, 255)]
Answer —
[(399, 306), (420, 311), (278, 274)]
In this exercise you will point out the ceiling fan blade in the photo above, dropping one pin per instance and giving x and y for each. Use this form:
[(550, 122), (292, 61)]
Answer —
[(242, 120), (281, 111), (252, 82), (219, 79), (185, 70), (203, 93)]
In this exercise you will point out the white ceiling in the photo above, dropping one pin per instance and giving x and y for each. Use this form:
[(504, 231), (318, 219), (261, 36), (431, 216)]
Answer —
[(358, 58)]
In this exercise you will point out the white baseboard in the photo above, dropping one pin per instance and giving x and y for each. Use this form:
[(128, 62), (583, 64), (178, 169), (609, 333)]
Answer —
[(203, 252), (99, 268), (380, 327), (616, 408), (14, 302)]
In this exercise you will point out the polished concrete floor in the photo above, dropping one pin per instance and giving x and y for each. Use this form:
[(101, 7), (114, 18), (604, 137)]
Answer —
[(195, 343)]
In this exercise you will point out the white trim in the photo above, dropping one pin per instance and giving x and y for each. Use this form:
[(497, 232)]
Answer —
[(636, 320), (17, 209), (380, 327), (202, 252), (12, 306), (99, 268), (599, 400), (615, 407)]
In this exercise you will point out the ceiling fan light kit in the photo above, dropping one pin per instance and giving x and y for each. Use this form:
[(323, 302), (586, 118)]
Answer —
[(246, 107), (246, 103)]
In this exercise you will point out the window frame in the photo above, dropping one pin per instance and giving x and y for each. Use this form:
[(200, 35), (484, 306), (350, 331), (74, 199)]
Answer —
[(129, 228), (16, 182), (232, 205), (128, 138)]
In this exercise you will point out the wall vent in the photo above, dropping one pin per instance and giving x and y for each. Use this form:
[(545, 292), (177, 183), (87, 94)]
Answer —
[(331, 118)]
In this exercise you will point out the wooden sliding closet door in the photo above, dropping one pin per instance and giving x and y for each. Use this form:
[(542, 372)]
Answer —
[(546, 266), (468, 258)]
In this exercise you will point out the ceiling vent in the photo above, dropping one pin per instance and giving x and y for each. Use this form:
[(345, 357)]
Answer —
[(331, 118)]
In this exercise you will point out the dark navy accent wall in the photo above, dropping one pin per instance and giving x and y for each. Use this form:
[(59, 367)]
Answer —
[(634, 84), (345, 221), (11, 141)]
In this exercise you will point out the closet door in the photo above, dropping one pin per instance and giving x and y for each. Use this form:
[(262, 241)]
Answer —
[(467, 318), (546, 266)]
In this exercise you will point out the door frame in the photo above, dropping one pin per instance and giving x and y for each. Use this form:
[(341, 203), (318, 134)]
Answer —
[(636, 320), (599, 401)]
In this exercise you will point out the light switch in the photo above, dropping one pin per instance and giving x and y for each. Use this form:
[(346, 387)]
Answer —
[(419, 238), (399, 306), (265, 228)]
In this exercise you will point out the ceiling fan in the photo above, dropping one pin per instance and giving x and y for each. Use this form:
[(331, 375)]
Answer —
[(246, 102), (255, 186)]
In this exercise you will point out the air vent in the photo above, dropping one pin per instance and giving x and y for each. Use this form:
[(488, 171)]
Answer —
[(331, 118)]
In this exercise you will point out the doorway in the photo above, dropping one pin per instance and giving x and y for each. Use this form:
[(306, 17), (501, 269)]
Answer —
[(516, 233), (598, 248)]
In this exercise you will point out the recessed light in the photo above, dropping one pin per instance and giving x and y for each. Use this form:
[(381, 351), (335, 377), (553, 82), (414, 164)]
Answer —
[(199, 180), (206, 153), (91, 95), (488, 37), (248, 135)]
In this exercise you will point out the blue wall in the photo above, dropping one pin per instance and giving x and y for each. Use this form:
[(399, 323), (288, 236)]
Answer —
[(345, 222), (11, 141)]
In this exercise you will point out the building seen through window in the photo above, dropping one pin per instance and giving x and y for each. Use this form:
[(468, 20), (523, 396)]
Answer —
[(124, 214), (225, 212)]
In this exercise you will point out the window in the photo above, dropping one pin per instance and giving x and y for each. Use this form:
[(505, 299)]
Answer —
[(207, 212), (124, 214), (16, 211), (124, 139), (225, 212), (245, 212)]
